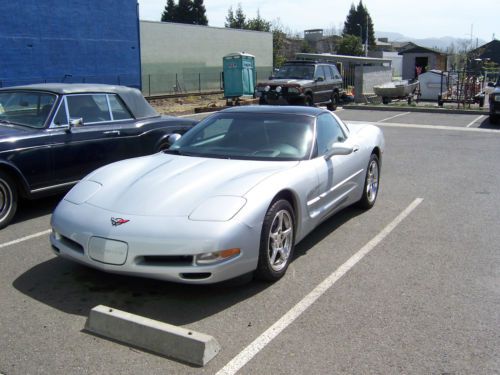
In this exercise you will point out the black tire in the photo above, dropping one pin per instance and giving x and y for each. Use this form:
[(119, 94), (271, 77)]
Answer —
[(385, 100), (334, 102), (371, 185), (309, 101), (8, 199), (493, 119), (276, 241), (262, 101)]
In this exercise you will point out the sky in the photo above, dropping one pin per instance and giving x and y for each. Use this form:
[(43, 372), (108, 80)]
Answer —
[(416, 19)]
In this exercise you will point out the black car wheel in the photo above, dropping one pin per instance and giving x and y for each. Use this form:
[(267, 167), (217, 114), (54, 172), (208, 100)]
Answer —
[(370, 189), (8, 199), (493, 119), (309, 101), (334, 102), (276, 242)]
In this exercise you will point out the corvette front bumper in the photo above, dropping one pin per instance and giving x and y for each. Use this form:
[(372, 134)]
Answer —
[(164, 248)]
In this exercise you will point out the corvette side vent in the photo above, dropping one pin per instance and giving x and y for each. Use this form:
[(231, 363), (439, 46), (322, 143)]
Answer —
[(73, 245)]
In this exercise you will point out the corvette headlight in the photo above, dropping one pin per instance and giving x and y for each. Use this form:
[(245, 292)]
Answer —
[(218, 208), (216, 256), (82, 192)]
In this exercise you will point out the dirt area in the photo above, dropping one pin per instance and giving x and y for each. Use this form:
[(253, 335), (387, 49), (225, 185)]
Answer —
[(186, 105)]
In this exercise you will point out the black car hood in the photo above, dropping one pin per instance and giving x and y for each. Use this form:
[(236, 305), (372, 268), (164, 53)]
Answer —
[(8, 131)]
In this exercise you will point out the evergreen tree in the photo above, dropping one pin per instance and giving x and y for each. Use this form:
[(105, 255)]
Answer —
[(199, 13), (185, 12), (258, 24), (235, 20), (169, 14), (356, 18)]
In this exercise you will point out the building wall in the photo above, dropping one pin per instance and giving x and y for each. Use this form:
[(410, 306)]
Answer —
[(69, 40), (368, 76), (180, 57), (434, 62)]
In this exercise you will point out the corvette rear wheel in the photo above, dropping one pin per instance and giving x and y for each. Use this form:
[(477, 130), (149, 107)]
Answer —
[(370, 190), (276, 243), (8, 199)]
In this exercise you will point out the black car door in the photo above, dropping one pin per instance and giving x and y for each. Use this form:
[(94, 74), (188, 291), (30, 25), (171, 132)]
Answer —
[(89, 131)]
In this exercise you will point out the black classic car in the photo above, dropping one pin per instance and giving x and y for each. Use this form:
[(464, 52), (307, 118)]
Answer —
[(302, 82), (52, 135)]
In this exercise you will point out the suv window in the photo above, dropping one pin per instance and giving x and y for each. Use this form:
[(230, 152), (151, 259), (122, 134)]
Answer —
[(335, 72), (328, 131), (328, 73)]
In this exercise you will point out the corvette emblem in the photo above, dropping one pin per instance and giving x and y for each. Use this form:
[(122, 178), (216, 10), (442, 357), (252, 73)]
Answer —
[(115, 221)]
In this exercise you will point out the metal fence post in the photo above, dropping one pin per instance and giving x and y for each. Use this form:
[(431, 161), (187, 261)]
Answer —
[(199, 82), (149, 84)]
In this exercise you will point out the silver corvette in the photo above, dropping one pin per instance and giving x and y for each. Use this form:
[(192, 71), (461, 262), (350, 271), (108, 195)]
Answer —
[(232, 196)]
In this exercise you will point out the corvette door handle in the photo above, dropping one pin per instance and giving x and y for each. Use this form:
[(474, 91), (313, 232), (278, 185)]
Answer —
[(112, 132), (355, 148)]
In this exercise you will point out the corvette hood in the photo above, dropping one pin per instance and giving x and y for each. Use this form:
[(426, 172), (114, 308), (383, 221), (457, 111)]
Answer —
[(172, 185)]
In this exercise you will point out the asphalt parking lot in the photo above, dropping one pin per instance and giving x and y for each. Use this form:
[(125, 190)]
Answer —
[(409, 287)]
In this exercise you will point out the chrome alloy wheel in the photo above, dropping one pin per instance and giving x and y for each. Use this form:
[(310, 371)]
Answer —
[(280, 240), (372, 181)]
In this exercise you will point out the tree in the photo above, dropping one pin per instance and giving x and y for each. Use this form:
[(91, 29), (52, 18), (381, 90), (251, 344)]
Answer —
[(169, 14), (258, 24), (235, 21), (187, 11), (350, 45), (357, 21), (199, 13)]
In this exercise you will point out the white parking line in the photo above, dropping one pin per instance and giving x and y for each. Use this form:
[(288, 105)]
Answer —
[(428, 127), (390, 118), (265, 338), (31, 236), (476, 120)]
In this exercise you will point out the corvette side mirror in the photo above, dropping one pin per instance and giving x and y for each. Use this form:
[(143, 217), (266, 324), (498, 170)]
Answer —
[(172, 138), (338, 149)]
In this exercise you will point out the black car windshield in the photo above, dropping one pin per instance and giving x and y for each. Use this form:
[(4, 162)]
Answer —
[(249, 136), (296, 71), (26, 108)]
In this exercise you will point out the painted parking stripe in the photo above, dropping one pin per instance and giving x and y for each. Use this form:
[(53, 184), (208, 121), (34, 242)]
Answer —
[(272, 332), (398, 115), (31, 236), (428, 127), (475, 120)]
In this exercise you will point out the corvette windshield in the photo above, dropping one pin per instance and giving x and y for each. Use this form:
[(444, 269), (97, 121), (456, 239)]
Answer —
[(25, 108), (296, 71), (250, 136)]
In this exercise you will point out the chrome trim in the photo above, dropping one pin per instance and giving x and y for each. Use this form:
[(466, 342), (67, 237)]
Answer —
[(53, 187)]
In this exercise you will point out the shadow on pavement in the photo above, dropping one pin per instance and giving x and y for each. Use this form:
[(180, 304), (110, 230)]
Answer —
[(486, 124), (31, 209), (75, 289)]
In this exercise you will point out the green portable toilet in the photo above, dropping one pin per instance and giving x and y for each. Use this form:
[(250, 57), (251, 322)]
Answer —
[(239, 75)]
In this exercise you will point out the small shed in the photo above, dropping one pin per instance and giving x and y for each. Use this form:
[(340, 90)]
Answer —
[(418, 60), (430, 84)]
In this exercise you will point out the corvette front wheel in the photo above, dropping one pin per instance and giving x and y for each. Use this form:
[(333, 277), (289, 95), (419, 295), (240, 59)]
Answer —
[(276, 243)]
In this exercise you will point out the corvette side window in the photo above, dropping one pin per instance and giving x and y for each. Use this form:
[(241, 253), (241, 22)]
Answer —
[(328, 131)]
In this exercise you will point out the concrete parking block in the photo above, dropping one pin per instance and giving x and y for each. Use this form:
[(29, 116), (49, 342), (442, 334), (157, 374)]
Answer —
[(158, 337)]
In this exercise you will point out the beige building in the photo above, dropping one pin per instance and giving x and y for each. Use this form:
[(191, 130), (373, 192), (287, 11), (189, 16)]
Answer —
[(187, 58)]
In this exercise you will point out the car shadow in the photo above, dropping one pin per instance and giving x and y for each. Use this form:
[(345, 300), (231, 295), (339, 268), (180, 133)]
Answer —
[(30, 209), (486, 124), (76, 289)]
